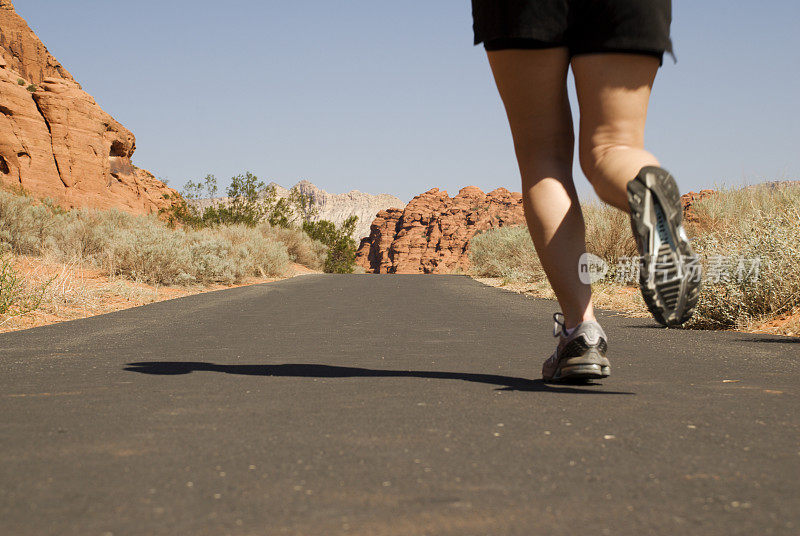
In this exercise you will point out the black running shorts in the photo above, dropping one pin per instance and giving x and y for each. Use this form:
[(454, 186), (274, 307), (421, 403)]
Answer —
[(583, 26)]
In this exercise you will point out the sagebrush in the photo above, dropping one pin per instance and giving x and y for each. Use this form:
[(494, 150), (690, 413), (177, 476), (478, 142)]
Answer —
[(145, 248)]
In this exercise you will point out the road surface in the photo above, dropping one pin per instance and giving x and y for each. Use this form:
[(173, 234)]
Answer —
[(389, 406)]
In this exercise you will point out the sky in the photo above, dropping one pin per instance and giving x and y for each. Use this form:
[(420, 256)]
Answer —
[(391, 97)]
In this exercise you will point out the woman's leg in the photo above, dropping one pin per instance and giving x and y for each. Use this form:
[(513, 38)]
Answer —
[(613, 93), (533, 86)]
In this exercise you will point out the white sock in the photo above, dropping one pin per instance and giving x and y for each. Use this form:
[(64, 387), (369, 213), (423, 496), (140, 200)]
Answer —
[(568, 332)]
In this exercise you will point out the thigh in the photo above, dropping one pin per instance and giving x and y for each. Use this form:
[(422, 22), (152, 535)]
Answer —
[(533, 86), (613, 94)]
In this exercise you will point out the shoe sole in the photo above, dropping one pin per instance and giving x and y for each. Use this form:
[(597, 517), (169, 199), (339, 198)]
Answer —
[(670, 273), (583, 371)]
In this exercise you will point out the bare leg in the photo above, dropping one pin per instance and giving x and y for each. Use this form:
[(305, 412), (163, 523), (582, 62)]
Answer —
[(532, 84), (613, 92)]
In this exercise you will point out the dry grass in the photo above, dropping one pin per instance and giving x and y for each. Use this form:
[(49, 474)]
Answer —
[(608, 233), (143, 248), (59, 264), (506, 253), (75, 290), (753, 223)]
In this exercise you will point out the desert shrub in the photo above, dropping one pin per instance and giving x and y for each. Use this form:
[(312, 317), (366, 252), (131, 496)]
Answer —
[(256, 252), (153, 253), (505, 252), (726, 205), (342, 247), (301, 247), (508, 252), (150, 253), (21, 82), (15, 298), (79, 235), (734, 228), (144, 248), (269, 258), (24, 223), (608, 233)]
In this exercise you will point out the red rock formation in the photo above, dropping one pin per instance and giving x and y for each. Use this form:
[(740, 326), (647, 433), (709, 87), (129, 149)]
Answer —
[(55, 141), (689, 199), (23, 51), (431, 235)]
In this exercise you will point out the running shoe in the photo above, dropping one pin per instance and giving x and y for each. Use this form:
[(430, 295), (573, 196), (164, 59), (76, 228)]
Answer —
[(669, 270), (580, 355)]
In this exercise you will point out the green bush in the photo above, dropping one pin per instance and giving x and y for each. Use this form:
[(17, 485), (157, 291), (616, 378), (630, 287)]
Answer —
[(342, 248), (249, 202), (32, 88), (21, 82)]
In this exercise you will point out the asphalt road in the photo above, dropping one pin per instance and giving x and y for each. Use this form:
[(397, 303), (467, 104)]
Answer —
[(389, 405)]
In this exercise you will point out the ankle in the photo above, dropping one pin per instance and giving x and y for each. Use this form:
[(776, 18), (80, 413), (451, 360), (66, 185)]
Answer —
[(571, 323)]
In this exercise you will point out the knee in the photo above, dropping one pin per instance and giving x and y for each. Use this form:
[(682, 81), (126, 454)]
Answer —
[(591, 159), (551, 153), (596, 166)]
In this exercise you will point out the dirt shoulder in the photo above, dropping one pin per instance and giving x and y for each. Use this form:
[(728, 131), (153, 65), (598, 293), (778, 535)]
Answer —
[(628, 301), (75, 291)]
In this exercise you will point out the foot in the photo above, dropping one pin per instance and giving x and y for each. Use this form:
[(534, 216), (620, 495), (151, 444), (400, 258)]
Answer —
[(669, 273), (580, 355)]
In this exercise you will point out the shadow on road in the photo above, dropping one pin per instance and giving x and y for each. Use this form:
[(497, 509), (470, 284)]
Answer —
[(505, 383), (784, 340)]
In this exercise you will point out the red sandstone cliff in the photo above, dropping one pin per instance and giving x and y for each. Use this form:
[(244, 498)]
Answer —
[(431, 235), (55, 141)]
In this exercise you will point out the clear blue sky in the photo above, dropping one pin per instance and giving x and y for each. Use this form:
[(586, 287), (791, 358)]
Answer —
[(390, 96)]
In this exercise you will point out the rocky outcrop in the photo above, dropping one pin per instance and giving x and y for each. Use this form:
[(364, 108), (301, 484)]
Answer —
[(55, 141), (432, 234), (23, 52), (689, 199)]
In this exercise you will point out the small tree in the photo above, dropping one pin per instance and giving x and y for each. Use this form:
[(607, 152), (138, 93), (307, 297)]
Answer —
[(249, 203), (179, 212), (342, 247), (323, 230), (245, 205), (278, 211), (303, 205), (198, 190)]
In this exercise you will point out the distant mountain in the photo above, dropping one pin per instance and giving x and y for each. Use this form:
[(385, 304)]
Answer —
[(334, 207)]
